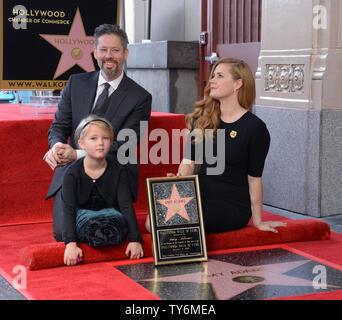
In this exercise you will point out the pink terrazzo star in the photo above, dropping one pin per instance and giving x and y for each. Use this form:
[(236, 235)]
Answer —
[(229, 280)]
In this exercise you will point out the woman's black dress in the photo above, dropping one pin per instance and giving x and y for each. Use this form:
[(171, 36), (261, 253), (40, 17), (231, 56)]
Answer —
[(225, 197)]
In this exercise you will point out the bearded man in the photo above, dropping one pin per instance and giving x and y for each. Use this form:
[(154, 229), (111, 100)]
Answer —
[(109, 93)]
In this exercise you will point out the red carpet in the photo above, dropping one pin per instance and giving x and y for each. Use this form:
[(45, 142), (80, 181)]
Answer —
[(25, 177), (49, 255), (26, 229), (101, 280)]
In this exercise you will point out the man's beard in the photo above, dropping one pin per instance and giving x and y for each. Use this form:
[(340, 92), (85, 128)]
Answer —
[(111, 74)]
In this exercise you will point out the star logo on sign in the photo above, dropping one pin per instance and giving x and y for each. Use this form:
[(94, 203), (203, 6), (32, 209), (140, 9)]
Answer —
[(76, 47), (176, 205)]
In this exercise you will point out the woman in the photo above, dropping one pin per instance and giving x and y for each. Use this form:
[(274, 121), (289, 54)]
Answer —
[(231, 198)]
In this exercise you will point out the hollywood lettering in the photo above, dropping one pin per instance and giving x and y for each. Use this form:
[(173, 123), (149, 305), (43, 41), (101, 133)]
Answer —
[(22, 11), (74, 41)]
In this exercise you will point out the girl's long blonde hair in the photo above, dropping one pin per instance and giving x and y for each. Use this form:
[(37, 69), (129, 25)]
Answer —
[(207, 111)]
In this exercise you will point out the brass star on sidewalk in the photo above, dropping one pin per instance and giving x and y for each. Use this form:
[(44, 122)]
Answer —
[(76, 47), (176, 205)]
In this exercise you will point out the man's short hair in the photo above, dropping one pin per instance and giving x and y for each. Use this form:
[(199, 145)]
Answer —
[(111, 29)]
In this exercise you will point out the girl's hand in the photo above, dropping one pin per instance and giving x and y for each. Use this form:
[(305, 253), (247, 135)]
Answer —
[(135, 250), (71, 253), (270, 225)]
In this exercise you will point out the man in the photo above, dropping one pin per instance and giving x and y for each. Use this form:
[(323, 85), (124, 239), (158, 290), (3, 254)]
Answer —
[(123, 102)]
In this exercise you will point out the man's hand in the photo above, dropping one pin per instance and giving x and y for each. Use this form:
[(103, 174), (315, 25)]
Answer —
[(52, 159), (60, 155), (65, 153)]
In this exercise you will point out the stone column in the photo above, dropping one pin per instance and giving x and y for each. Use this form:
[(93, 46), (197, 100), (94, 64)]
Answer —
[(169, 71), (299, 96)]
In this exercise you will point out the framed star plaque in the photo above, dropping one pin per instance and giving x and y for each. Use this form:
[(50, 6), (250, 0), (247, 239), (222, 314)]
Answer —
[(176, 220)]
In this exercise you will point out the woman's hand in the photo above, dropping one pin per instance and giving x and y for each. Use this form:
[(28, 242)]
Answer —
[(255, 191), (71, 253), (186, 168), (270, 225), (172, 175), (134, 250)]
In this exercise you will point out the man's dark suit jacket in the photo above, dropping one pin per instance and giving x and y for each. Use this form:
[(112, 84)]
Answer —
[(129, 104)]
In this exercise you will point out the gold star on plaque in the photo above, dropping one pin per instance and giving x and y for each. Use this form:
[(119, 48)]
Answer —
[(176, 205)]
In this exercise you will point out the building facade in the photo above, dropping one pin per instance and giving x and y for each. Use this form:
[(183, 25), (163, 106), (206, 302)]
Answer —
[(297, 78)]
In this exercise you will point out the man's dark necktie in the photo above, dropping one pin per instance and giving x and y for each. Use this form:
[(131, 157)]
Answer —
[(102, 101)]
